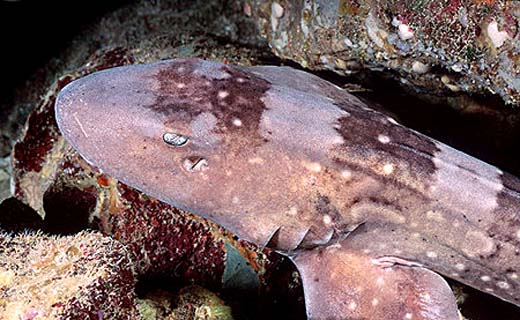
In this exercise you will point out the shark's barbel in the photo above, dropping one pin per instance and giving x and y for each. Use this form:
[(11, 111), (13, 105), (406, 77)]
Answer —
[(370, 211)]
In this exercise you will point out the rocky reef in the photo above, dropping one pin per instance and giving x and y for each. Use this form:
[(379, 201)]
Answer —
[(432, 47)]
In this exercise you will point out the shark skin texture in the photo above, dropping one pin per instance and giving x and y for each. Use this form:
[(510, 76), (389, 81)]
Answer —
[(371, 212)]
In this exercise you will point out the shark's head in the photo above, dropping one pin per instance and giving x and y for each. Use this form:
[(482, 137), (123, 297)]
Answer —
[(217, 140), (171, 129)]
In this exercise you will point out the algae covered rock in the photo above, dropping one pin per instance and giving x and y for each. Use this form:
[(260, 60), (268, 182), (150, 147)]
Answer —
[(440, 47), (85, 276)]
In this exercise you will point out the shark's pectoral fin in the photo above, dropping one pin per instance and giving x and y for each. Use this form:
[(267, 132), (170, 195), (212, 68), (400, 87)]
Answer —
[(341, 283)]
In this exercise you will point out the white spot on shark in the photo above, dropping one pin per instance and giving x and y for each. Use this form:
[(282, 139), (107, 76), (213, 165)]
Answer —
[(503, 285), (388, 168), (485, 278), (408, 316), (431, 254), (312, 166), (346, 174), (292, 211), (222, 94), (181, 85), (237, 122), (383, 138), (460, 266), (327, 219), (256, 160), (352, 305), (375, 302)]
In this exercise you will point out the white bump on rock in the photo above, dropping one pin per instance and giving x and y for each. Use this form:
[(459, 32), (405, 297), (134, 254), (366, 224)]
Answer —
[(419, 67), (405, 32), (497, 37), (277, 10)]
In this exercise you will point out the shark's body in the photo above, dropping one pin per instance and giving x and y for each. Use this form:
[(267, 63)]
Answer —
[(364, 206)]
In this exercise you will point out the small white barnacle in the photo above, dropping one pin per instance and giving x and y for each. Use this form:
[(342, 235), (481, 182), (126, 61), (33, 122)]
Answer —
[(175, 139)]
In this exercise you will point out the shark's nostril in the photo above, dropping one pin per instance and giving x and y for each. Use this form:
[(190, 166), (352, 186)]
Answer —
[(175, 139), (195, 163)]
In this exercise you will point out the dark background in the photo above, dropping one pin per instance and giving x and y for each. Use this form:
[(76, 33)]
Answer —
[(33, 31)]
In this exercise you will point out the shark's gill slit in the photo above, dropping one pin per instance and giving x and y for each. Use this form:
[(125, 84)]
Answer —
[(175, 139), (195, 163)]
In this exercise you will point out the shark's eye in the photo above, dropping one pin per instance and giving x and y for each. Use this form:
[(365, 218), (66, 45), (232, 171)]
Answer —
[(175, 139)]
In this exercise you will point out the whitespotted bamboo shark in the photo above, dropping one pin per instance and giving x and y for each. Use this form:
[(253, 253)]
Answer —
[(371, 212)]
